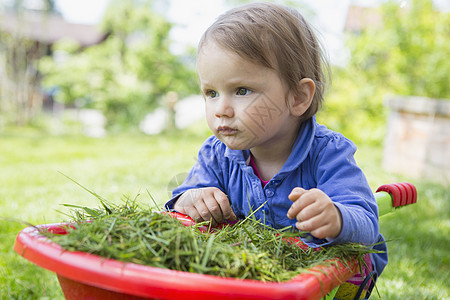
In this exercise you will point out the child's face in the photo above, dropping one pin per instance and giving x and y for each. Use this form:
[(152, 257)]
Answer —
[(245, 102)]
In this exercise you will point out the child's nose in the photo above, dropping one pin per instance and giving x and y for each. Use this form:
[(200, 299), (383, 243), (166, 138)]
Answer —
[(224, 108)]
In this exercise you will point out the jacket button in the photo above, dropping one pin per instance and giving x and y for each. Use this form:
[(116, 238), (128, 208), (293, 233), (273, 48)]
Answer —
[(269, 193)]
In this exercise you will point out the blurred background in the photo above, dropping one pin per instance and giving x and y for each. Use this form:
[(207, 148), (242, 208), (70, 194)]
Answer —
[(107, 66), (106, 93), (129, 66)]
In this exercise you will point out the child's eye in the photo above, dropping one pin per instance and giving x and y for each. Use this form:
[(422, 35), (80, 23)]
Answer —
[(243, 91), (211, 94)]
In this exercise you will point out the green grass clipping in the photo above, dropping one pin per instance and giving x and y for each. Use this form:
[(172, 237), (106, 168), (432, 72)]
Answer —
[(245, 250)]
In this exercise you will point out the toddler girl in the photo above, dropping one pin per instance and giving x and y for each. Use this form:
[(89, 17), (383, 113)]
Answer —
[(261, 71)]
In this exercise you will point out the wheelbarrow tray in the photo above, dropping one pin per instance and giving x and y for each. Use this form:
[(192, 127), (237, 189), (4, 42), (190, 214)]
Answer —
[(86, 276)]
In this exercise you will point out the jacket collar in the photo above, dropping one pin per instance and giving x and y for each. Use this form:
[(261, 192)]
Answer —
[(302, 146), (298, 154)]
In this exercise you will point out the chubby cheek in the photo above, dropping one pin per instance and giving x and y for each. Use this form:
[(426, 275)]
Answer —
[(210, 119)]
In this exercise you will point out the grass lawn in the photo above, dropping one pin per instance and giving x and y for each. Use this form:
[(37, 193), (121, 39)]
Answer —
[(33, 189)]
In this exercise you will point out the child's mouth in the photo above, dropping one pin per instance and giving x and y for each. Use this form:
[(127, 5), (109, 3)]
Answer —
[(225, 130)]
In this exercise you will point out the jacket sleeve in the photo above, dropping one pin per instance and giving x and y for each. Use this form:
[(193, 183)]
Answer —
[(205, 172), (338, 175)]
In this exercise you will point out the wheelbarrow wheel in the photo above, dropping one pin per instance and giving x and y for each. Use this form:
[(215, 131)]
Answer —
[(350, 291), (370, 280)]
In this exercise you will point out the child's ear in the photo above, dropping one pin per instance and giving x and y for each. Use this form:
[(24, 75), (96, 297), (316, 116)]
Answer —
[(301, 99)]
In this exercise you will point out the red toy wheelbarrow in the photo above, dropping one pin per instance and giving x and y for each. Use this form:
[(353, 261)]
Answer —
[(87, 276)]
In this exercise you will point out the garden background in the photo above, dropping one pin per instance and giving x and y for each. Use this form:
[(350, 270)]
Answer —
[(130, 71)]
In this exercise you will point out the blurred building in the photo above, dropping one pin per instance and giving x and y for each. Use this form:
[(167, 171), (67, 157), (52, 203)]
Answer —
[(46, 29), (359, 18), (25, 36)]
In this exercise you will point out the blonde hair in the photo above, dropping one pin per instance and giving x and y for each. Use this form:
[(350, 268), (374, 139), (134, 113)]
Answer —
[(276, 37)]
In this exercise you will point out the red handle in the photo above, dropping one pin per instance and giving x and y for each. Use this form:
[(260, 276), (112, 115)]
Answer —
[(402, 193)]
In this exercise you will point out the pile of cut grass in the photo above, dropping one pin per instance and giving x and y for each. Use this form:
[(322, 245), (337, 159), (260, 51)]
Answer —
[(245, 250)]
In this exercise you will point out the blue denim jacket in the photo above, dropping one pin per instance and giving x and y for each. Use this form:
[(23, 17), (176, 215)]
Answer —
[(320, 158)]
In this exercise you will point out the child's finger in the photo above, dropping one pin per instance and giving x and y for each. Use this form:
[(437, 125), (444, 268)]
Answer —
[(214, 208), (304, 200), (320, 226), (225, 206), (311, 224), (296, 193), (203, 210), (321, 232), (325, 230), (309, 209), (192, 212)]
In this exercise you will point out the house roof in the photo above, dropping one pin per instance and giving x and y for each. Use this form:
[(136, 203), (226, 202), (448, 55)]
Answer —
[(49, 28), (359, 18)]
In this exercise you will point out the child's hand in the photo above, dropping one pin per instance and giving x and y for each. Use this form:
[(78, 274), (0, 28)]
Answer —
[(315, 212), (205, 204)]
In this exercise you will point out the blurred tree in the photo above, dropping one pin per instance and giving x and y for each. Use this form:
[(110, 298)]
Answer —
[(126, 75), (20, 96), (406, 55), (409, 55)]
